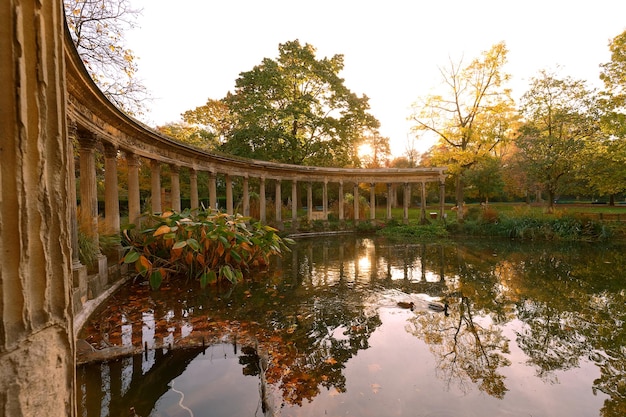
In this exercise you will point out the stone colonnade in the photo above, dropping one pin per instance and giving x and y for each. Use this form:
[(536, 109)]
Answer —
[(51, 110)]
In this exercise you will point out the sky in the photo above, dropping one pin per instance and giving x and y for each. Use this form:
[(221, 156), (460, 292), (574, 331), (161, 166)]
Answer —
[(192, 50)]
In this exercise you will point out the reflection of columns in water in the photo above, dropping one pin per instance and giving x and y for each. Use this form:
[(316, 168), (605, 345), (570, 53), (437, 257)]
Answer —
[(193, 187), (388, 262), (295, 264), (155, 185), (423, 261), (404, 262), (341, 262), (373, 263), (442, 263), (325, 261), (262, 212)]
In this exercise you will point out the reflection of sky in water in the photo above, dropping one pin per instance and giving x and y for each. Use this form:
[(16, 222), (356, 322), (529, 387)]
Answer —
[(401, 372)]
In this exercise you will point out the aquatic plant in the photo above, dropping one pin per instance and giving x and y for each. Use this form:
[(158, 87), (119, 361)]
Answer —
[(200, 244)]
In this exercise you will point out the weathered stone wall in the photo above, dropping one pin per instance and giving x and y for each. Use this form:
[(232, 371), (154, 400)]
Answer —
[(36, 344)]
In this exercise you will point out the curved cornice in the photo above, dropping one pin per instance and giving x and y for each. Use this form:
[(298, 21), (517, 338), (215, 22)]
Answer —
[(93, 112)]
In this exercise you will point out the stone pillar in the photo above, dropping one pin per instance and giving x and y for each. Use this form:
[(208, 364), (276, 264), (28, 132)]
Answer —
[(309, 201), (175, 191), (294, 202), (213, 190), (79, 271), (36, 340), (356, 202), (279, 202), (389, 191), (325, 199), (193, 185), (372, 201), (423, 204), (88, 187), (340, 197), (246, 197), (155, 171), (229, 194), (442, 198), (134, 199), (111, 193), (262, 202), (407, 199)]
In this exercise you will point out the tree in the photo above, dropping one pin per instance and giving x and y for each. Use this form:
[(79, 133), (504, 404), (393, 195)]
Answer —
[(472, 118), (375, 151), (97, 28), (486, 177), (214, 118), (561, 119), (296, 109), (191, 135)]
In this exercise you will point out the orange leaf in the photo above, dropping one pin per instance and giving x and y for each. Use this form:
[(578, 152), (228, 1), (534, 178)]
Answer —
[(162, 230), (145, 262)]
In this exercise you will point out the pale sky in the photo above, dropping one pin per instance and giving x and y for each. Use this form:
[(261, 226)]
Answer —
[(192, 50)]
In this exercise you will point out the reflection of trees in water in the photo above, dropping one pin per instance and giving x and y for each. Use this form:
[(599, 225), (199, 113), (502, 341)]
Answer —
[(465, 350)]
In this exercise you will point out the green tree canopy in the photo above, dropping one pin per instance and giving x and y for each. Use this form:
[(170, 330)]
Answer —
[(561, 120), (294, 109)]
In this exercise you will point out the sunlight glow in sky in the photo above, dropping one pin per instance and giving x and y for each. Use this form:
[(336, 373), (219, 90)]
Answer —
[(195, 49)]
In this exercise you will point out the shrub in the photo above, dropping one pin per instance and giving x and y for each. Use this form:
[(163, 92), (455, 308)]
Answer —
[(203, 244)]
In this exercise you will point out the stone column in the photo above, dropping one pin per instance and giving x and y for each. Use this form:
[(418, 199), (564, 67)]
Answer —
[(134, 199), (193, 185), (407, 199), (309, 201), (279, 202), (229, 194), (294, 202), (325, 199), (36, 342), (340, 197), (111, 193), (155, 171), (423, 204), (213, 190), (246, 197), (88, 186), (175, 191), (442, 198), (262, 202), (389, 201), (372, 201), (356, 202)]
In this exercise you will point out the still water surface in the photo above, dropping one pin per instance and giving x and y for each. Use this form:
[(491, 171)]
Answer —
[(531, 330)]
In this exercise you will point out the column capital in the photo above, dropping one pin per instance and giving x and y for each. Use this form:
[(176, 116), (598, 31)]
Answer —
[(88, 141), (175, 169), (131, 158), (110, 150)]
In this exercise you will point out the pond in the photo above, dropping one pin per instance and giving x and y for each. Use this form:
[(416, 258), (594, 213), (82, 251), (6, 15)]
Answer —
[(530, 329)]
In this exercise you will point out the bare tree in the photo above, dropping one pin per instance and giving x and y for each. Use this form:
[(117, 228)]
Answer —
[(97, 28)]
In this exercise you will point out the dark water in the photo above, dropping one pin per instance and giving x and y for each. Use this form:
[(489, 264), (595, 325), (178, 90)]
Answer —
[(531, 330)]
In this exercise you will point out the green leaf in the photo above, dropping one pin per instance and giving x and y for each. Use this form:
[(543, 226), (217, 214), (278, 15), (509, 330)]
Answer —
[(193, 244), (155, 279), (131, 257), (180, 244), (207, 277)]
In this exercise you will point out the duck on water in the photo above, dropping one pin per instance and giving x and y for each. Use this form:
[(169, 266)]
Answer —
[(431, 306)]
